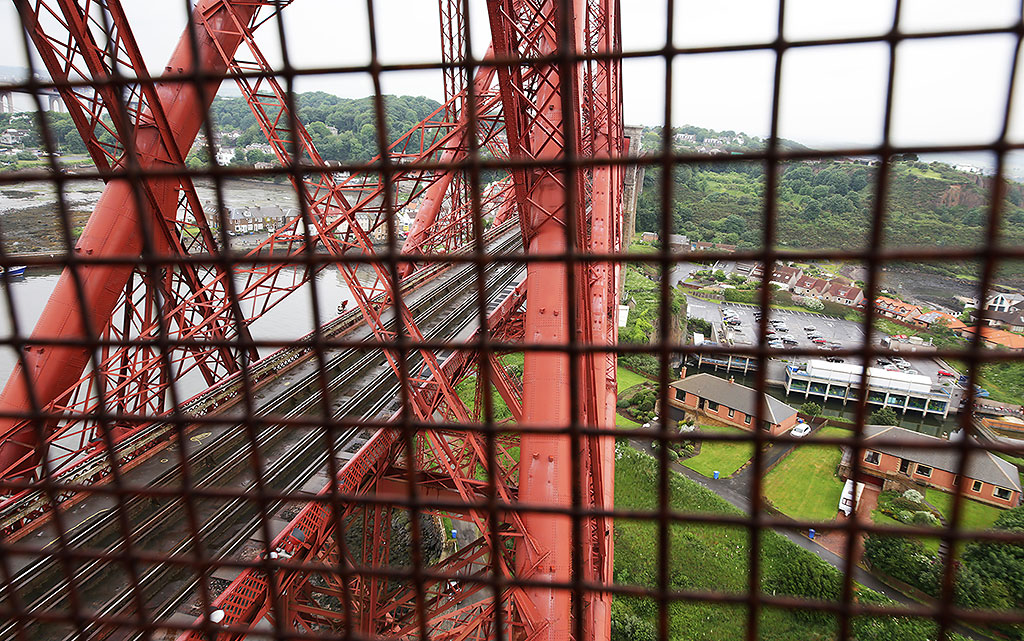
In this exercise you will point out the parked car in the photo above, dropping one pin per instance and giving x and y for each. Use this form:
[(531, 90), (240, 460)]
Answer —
[(801, 430), (835, 359), (819, 341), (810, 328), (943, 372), (891, 368), (789, 341)]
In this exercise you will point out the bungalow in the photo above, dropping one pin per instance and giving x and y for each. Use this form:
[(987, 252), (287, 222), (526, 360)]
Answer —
[(809, 286), (843, 294), (727, 402), (989, 479), (784, 276), (939, 319), (992, 337), (897, 309), (649, 237)]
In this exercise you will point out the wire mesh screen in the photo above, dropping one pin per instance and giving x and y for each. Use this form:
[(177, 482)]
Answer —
[(497, 365)]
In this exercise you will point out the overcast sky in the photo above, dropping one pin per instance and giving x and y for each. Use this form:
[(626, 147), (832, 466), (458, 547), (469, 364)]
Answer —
[(947, 91)]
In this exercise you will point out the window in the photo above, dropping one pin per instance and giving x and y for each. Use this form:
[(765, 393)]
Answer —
[(712, 406), (746, 419), (872, 457), (732, 412), (976, 486), (1002, 493), (924, 470)]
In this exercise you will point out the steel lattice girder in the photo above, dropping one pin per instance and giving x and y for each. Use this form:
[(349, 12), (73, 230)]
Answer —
[(47, 373), (536, 121)]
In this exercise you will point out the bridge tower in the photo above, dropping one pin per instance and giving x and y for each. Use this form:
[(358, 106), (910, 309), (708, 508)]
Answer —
[(557, 120), (6, 102)]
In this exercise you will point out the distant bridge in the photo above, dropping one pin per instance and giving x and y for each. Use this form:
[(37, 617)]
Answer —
[(10, 85)]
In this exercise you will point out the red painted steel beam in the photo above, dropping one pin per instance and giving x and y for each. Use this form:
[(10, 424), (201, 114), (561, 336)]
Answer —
[(545, 475), (601, 98), (426, 216), (113, 230)]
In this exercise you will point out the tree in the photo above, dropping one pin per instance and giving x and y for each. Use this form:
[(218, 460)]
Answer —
[(859, 180), (810, 408), (1000, 563), (884, 416)]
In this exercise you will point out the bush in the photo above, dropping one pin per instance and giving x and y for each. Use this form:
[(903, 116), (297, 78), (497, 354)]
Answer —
[(884, 416), (640, 363), (697, 325), (913, 496), (924, 517), (810, 409), (809, 577), (905, 516), (904, 559), (809, 302), (626, 626)]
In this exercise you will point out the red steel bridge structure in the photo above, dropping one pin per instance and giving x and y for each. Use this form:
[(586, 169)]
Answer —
[(164, 302)]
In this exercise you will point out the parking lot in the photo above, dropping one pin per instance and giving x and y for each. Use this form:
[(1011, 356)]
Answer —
[(847, 334)]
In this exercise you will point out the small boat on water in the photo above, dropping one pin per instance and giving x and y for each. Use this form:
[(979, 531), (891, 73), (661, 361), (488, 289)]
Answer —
[(13, 271)]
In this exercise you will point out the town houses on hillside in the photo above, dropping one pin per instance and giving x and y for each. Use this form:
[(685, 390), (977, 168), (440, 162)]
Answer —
[(792, 279)]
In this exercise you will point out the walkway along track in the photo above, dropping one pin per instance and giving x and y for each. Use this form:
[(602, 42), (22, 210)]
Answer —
[(294, 459)]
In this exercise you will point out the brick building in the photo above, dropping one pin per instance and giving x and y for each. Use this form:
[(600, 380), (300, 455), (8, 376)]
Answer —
[(727, 402), (988, 478)]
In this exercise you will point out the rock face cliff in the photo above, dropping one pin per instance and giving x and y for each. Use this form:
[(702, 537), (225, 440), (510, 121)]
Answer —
[(965, 195)]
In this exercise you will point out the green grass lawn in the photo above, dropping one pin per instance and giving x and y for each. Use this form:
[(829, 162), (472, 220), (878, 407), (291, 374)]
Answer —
[(720, 455), (622, 421), (973, 515), (1004, 381), (627, 378), (704, 556), (804, 485)]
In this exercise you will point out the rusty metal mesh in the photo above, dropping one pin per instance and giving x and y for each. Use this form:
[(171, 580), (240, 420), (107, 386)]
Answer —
[(76, 617)]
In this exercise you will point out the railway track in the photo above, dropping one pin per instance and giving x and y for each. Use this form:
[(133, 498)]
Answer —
[(358, 385)]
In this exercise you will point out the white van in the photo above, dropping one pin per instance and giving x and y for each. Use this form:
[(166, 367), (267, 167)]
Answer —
[(846, 501)]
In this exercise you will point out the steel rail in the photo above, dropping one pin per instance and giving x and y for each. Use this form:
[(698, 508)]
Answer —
[(298, 457), (21, 506)]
